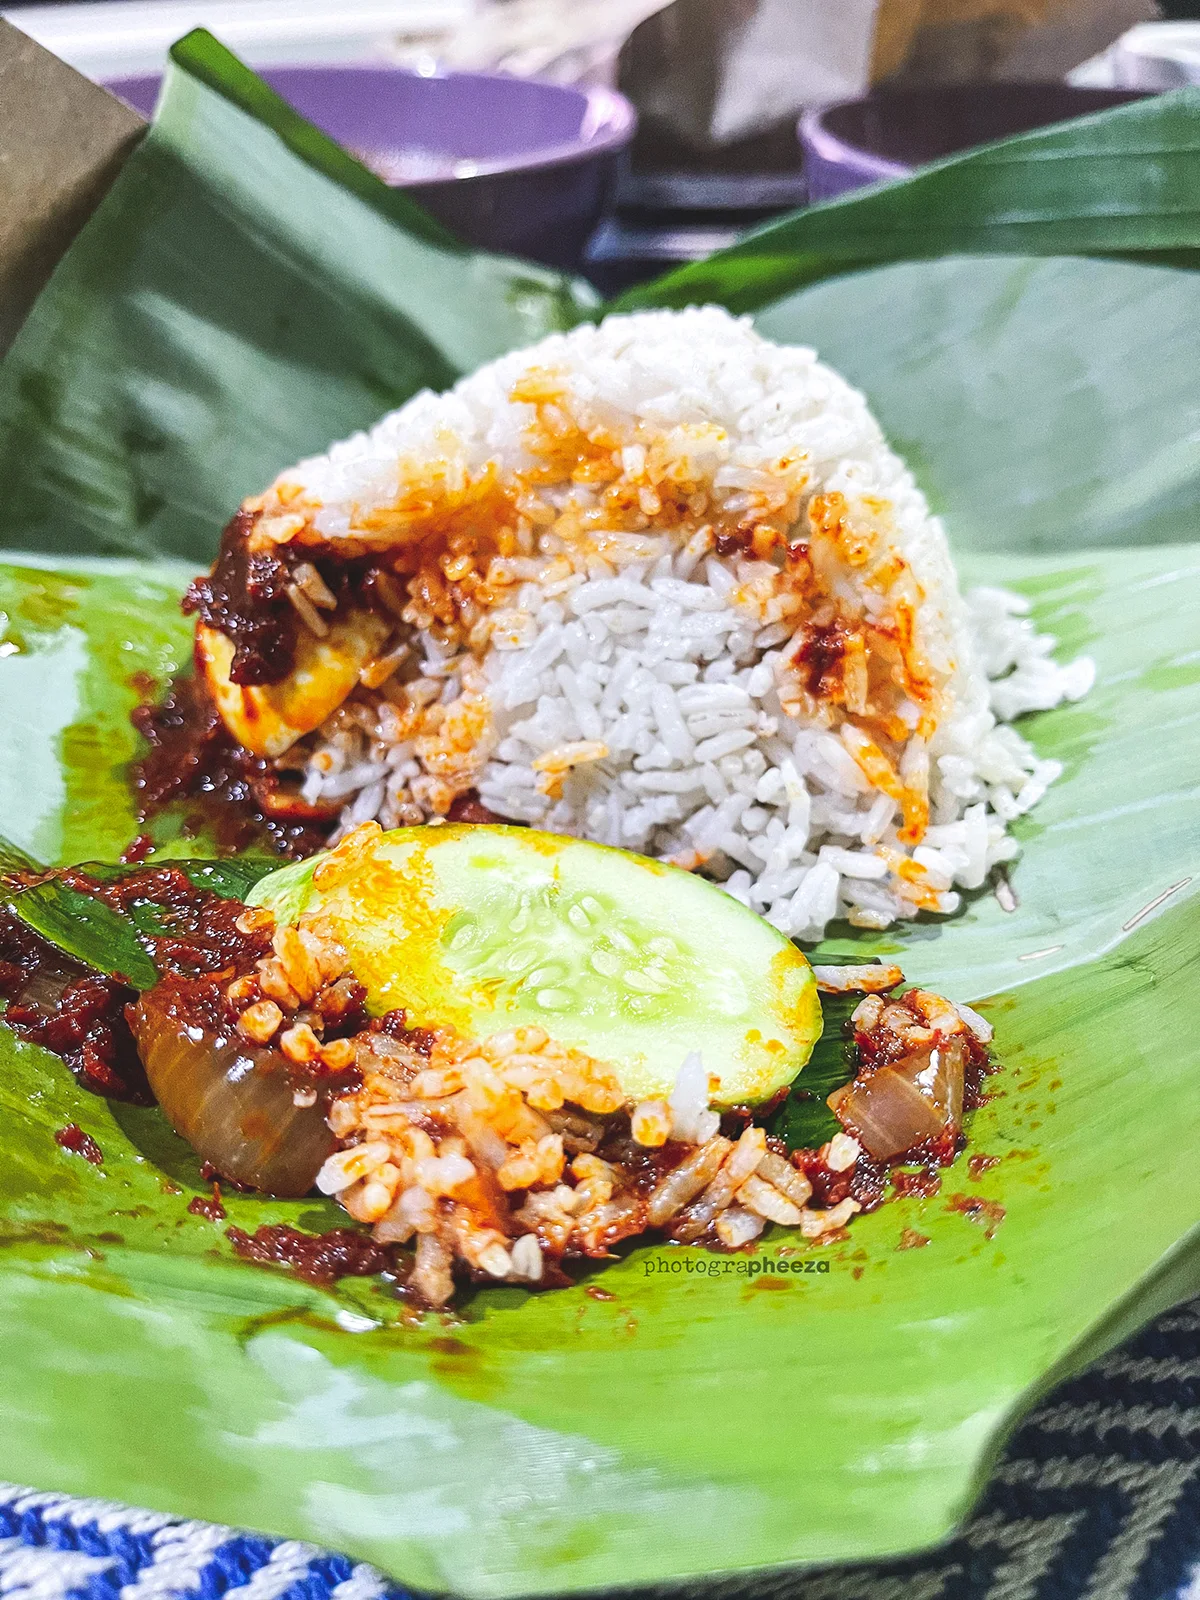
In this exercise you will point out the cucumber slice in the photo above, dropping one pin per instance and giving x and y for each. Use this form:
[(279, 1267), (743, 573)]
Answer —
[(484, 928)]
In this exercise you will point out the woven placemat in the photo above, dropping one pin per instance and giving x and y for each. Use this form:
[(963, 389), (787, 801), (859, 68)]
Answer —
[(1096, 1498)]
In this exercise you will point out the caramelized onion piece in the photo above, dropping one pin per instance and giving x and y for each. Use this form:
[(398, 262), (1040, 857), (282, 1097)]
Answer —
[(231, 1100), (907, 1102)]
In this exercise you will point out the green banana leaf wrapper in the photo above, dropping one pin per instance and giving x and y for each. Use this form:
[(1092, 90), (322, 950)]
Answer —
[(1023, 320)]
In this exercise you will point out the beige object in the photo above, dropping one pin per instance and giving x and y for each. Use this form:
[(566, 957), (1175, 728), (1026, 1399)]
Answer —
[(712, 72), (565, 41), (62, 142), (960, 41)]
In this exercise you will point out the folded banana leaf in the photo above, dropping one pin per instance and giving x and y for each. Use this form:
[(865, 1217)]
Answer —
[(230, 306), (1117, 183), (87, 929), (74, 919), (248, 293)]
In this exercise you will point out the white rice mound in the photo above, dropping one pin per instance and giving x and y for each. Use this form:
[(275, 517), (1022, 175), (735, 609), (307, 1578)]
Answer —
[(634, 689)]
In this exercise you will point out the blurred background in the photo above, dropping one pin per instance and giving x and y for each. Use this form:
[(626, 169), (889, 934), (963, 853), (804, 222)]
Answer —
[(622, 137)]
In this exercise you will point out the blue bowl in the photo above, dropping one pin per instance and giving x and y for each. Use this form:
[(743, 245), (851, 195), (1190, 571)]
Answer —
[(508, 164)]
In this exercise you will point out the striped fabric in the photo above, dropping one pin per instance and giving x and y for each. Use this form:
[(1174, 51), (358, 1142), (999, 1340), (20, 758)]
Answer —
[(53, 1547)]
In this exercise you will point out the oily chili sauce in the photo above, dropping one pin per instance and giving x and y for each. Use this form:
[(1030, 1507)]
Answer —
[(242, 799), (191, 756), (79, 1014), (318, 1258), (70, 1010)]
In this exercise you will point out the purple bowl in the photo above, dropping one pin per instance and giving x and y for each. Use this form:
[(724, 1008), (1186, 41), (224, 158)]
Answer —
[(508, 164), (889, 133)]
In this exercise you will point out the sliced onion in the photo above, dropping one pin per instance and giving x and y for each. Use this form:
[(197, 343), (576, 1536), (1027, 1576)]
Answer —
[(902, 1105), (234, 1102), (45, 984)]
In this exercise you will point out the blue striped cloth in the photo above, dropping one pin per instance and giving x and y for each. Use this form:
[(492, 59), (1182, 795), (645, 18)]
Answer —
[(53, 1547)]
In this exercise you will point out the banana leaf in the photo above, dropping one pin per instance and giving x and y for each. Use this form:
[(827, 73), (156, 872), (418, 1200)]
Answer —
[(214, 323), (1117, 183), (87, 929), (14, 860), (551, 1443), (717, 1414), (99, 935), (231, 305)]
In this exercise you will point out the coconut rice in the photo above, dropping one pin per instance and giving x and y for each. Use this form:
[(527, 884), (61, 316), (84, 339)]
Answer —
[(662, 584)]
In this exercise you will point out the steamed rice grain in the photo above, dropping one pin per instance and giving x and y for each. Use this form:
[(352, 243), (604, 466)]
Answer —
[(719, 625)]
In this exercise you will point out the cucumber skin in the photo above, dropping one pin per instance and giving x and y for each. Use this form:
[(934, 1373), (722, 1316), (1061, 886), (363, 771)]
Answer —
[(437, 920)]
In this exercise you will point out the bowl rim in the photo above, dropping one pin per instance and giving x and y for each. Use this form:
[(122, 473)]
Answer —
[(611, 113), (828, 146)]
